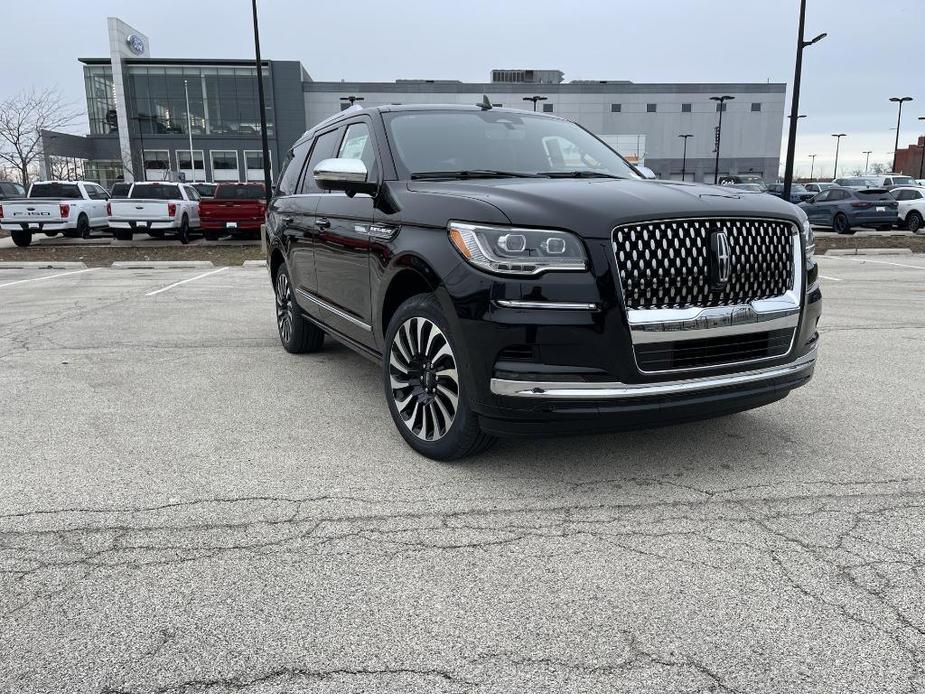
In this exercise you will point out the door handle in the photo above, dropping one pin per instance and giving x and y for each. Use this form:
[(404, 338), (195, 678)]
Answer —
[(323, 223)]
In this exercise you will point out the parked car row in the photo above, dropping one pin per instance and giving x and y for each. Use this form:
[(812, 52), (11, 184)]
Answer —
[(75, 208)]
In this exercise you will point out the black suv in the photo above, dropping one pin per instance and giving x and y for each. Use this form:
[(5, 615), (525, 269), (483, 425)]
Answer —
[(513, 275)]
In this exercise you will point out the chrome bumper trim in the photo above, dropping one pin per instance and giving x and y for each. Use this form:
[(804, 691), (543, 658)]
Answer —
[(618, 391), (560, 305), (737, 320)]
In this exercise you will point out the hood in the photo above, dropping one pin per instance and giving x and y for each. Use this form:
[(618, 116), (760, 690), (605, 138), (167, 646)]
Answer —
[(593, 207)]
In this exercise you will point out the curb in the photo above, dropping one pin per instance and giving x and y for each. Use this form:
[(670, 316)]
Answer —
[(868, 251), (255, 263), (159, 264), (32, 265)]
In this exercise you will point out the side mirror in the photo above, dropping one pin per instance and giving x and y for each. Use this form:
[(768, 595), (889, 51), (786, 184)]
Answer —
[(348, 175), (646, 172)]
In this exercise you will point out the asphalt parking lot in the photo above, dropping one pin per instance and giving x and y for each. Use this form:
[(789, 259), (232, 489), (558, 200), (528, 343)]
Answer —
[(184, 507)]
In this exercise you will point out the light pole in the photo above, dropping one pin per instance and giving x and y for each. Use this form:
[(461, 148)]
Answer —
[(867, 152), (721, 106), (352, 99), (812, 165), (268, 184), (534, 99), (922, 162), (684, 156), (795, 99), (838, 137), (899, 100), (189, 129)]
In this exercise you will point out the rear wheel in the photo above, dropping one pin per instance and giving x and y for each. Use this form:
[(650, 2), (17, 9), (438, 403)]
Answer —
[(841, 225), (423, 387), (296, 332), (914, 221), (21, 237), (83, 226), (50, 234), (183, 233), (211, 235)]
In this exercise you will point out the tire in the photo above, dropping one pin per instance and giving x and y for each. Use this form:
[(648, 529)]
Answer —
[(211, 235), (914, 222), (841, 225), (21, 237), (297, 334), (422, 383), (183, 233), (123, 234), (156, 234), (83, 226), (50, 234)]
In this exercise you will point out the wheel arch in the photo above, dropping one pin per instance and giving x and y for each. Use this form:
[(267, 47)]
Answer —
[(410, 275)]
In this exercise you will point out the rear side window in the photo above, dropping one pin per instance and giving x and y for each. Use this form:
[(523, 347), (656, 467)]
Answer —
[(323, 149), (839, 195), (248, 192), (155, 191), (63, 191)]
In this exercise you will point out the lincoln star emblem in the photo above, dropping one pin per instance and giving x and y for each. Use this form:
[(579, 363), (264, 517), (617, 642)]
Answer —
[(720, 260)]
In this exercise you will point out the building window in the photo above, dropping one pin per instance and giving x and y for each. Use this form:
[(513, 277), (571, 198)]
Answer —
[(183, 160), (685, 108), (224, 165), (720, 106), (547, 108), (616, 108), (756, 106), (157, 161), (101, 99), (650, 108), (253, 162)]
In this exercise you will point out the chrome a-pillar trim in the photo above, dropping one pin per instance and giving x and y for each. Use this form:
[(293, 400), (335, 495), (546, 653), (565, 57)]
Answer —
[(662, 324), (336, 311), (555, 390)]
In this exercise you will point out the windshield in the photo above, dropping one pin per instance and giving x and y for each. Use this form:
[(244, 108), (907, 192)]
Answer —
[(248, 192), (63, 191), (155, 191), (483, 142), (120, 190)]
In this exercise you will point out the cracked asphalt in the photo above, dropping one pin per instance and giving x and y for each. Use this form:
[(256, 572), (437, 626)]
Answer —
[(184, 507)]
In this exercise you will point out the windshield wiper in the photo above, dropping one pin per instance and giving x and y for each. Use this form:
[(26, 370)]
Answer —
[(472, 173), (580, 174)]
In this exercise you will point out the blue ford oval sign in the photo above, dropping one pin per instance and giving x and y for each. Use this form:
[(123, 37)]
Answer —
[(136, 44)]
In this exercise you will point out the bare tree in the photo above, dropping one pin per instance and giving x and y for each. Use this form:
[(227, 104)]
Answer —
[(856, 171), (879, 168), (22, 118)]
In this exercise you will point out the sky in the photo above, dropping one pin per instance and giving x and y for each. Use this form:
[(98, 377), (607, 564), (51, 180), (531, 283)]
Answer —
[(868, 56)]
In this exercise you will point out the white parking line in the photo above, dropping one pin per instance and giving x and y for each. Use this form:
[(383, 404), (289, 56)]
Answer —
[(49, 277), (834, 279), (879, 262), (189, 279)]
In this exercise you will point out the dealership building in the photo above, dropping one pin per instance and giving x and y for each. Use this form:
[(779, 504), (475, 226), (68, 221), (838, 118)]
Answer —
[(140, 125)]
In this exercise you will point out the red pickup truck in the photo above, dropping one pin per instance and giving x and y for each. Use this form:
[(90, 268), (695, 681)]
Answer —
[(236, 207)]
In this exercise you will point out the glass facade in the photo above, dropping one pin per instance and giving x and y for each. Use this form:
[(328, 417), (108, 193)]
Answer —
[(223, 100)]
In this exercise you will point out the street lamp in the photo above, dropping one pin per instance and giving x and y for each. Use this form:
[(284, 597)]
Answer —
[(812, 165), (268, 184), (899, 100), (721, 106), (867, 152), (922, 162), (795, 99), (534, 99), (684, 156), (352, 99), (838, 137)]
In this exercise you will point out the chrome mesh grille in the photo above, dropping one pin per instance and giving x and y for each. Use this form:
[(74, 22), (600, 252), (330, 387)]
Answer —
[(666, 264)]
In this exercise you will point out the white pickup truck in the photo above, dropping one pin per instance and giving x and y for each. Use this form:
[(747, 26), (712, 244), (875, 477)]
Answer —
[(155, 208), (71, 207)]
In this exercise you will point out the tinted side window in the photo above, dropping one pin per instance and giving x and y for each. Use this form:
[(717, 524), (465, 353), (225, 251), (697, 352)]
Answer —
[(839, 195), (323, 149), (292, 167), (823, 196)]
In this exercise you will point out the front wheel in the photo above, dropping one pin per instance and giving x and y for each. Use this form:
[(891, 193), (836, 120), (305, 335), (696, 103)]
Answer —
[(914, 222), (423, 384), (841, 225), (21, 237)]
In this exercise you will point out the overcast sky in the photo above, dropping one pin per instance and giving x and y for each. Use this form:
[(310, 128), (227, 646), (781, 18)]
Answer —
[(869, 55)]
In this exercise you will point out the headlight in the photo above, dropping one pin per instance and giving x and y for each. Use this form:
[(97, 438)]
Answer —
[(808, 239), (512, 251)]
